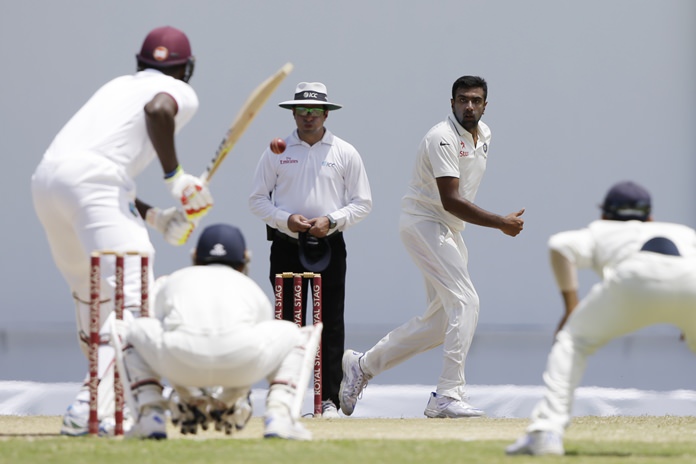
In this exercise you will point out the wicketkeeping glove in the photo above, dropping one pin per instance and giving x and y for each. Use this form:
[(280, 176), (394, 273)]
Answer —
[(171, 223), (192, 192), (189, 415), (237, 416)]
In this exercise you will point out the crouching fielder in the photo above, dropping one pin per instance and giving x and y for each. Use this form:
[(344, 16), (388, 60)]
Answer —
[(212, 337), (648, 272)]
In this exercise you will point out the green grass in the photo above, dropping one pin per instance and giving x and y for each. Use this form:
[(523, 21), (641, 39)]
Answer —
[(64, 450), (362, 441)]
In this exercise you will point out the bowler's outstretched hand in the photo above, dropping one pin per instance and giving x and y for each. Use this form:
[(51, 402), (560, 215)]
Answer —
[(513, 223)]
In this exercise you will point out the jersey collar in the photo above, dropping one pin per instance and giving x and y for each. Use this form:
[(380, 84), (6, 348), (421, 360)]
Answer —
[(327, 139)]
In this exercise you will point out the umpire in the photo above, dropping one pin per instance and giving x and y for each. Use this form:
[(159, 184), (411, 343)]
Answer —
[(307, 196)]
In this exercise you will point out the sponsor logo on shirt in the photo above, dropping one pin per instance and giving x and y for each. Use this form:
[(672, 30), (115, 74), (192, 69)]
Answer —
[(328, 164), (288, 160), (485, 148), (463, 152)]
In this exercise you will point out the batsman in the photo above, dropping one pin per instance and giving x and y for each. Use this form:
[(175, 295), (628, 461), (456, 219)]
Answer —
[(84, 190)]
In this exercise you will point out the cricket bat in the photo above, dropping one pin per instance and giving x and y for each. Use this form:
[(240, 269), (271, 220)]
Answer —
[(246, 114)]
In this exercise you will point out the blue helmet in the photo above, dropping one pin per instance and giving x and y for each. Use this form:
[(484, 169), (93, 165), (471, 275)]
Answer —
[(221, 243), (626, 201)]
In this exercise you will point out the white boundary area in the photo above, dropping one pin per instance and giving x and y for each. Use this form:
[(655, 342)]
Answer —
[(401, 401)]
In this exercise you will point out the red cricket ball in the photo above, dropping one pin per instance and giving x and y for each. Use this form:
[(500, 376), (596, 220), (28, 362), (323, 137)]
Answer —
[(278, 146)]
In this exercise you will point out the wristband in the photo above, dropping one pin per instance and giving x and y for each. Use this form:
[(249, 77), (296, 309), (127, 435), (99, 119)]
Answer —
[(176, 171)]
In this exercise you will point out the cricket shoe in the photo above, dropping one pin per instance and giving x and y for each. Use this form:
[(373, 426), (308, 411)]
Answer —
[(283, 426), (538, 443), (107, 426), (354, 381), (329, 410), (443, 406), (76, 421), (152, 424)]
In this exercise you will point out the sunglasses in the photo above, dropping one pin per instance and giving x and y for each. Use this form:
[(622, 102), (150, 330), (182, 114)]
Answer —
[(302, 111)]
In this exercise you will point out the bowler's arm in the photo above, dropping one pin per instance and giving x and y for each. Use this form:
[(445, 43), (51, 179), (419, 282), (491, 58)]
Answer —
[(448, 187)]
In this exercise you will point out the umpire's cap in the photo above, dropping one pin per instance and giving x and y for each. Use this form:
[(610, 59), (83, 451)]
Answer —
[(315, 253), (221, 243), (626, 201), (310, 93)]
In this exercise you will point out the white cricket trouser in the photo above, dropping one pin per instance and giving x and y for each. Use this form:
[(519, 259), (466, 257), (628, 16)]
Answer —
[(238, 357), (645, 290), (453, 306), (85, 204)]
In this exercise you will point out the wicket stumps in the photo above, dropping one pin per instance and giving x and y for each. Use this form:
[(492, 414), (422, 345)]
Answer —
[(94, 326), (297, 317)]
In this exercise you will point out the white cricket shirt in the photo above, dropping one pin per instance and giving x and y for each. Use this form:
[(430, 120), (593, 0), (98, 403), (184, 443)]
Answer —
[(603, 244), (210, 299), (111, 124), (447, 150), (313, 180)]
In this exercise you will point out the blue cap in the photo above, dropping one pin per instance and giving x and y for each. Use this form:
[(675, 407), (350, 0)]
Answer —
[(221, 243), (626, 201)]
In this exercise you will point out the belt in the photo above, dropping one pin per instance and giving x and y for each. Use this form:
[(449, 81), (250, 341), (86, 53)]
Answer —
[(278, 235), (275, 234)]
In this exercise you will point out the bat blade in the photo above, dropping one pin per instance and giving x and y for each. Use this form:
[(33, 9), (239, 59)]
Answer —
[(246, 114)]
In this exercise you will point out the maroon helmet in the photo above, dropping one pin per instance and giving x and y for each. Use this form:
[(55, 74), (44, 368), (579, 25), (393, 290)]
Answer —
[(165, 47)]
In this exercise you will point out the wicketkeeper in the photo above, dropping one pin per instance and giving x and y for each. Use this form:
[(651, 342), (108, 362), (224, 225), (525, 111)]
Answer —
[(213, 336)]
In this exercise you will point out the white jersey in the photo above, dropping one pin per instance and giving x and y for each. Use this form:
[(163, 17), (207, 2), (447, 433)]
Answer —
[(638, 290), (603, 244), (211, 326), (325, 178), (447, 150), (111, 124), (209, 300)]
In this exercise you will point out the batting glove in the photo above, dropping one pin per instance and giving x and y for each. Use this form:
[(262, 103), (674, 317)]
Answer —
[(171, 223), (192, 192)]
